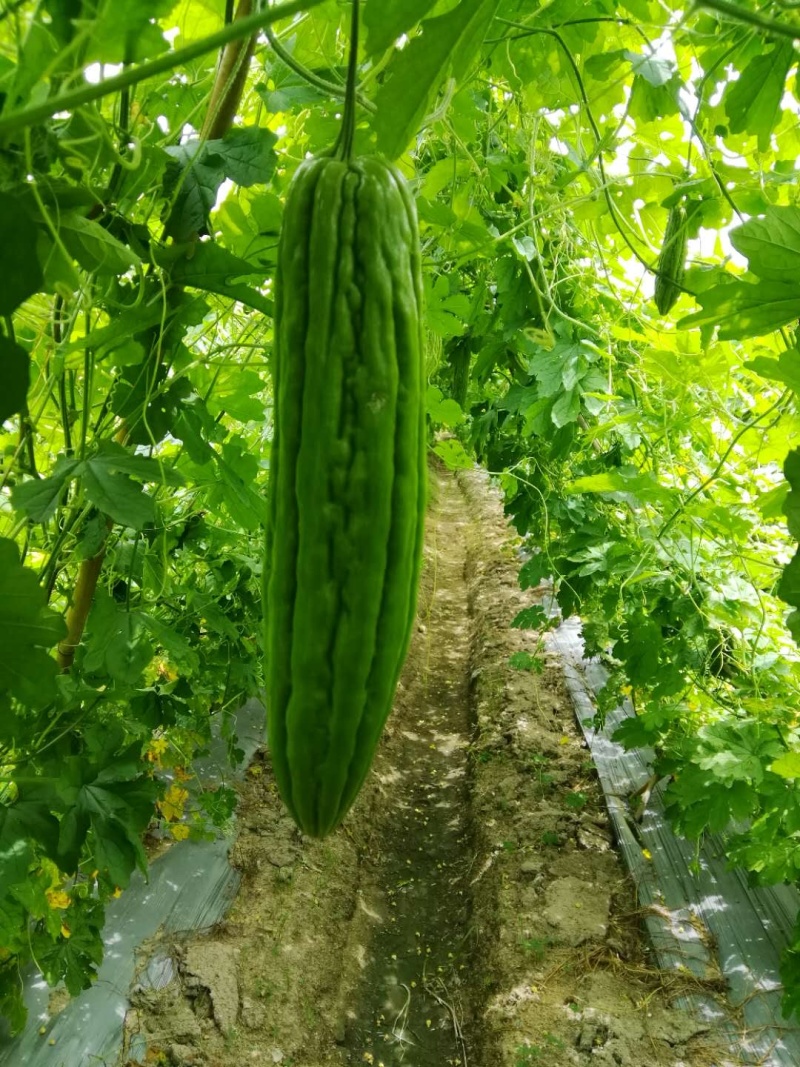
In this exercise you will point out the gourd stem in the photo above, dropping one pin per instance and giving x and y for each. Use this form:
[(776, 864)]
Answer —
[(347, 135)]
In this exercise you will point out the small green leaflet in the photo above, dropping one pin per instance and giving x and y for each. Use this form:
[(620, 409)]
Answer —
[(532, 618), (525, 661), (27, 628)]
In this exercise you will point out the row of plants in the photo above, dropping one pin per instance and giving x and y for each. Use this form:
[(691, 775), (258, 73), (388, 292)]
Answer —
[(639, 436)]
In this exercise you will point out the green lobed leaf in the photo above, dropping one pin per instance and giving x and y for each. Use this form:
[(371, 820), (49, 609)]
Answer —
[(787, 766), (532, 618), (648, 103), (453, 454), (75, 956), (126, 31)]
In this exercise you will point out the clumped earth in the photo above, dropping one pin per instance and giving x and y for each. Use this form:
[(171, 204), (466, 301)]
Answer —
[(472, 910)]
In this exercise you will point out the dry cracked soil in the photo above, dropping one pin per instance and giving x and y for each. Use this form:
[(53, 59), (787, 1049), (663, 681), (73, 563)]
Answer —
[(472, 910)]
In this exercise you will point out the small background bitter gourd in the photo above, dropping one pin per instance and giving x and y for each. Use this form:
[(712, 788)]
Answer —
[(671, 261)]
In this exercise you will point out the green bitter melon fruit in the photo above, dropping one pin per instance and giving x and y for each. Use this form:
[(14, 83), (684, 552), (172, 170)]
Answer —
[(671, 261), (347, 479)]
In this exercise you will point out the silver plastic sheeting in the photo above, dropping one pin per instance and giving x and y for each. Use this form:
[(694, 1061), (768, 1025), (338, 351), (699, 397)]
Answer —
[(701, 916), (190, 888)]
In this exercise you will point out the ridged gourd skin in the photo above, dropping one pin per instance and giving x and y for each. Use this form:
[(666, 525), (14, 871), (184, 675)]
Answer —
[(671, 261), (347, 478)]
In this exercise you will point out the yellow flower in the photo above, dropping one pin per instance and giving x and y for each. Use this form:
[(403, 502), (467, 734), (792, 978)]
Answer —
[(156, 749), (65, 931), (173, 802), (179, 830), (57, 898)]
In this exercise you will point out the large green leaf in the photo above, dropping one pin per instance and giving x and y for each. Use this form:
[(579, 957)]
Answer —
[(27, 628), (771, 244), (445, 48), (753, 102), (741, 309), (117, 495), (94, 247), (386, 20), (207, 265), (20, 269), (785, 369), (14, 376), (246, 155), (126, 31)]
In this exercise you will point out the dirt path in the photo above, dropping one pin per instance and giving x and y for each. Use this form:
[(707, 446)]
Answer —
[(471, 911), (409, 1007)]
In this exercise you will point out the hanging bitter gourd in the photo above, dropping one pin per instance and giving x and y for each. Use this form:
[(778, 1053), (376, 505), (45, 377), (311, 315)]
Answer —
[(671, 261), (347, 478)]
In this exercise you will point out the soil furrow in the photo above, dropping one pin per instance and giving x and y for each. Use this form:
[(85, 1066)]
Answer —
[(410, 1004)]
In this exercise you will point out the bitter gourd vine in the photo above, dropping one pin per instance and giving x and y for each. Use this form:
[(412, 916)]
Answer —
[(347, 477)]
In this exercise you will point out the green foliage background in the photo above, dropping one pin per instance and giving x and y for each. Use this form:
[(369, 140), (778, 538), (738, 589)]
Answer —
[(640, 456)]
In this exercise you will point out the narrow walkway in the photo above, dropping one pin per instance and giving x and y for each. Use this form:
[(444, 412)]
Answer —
[(409, 1007)]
